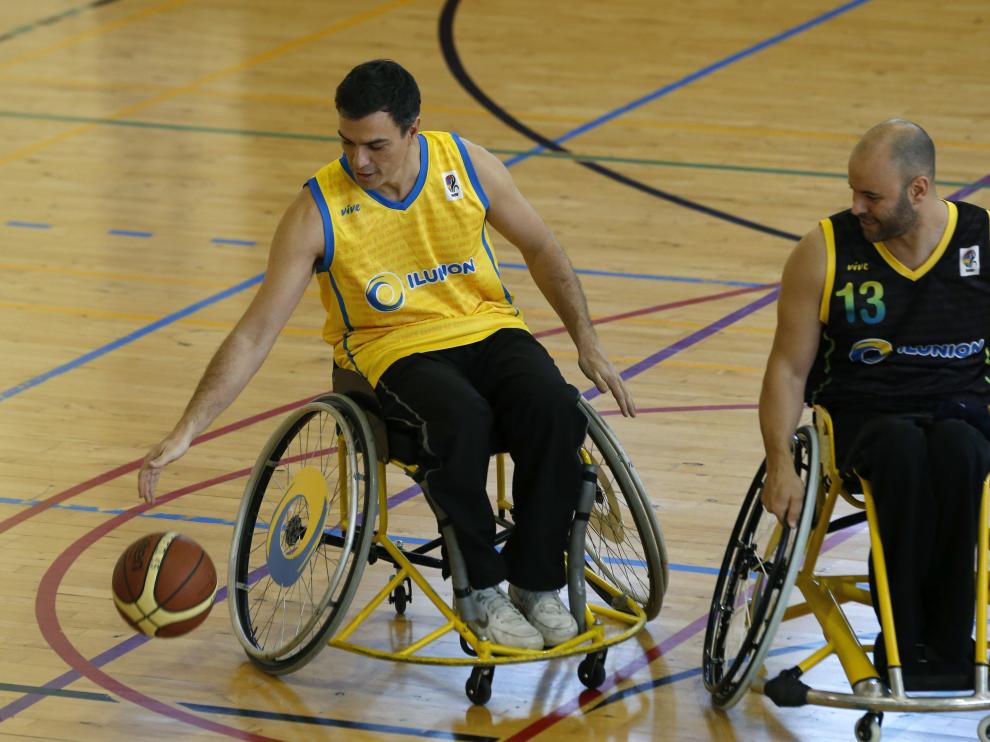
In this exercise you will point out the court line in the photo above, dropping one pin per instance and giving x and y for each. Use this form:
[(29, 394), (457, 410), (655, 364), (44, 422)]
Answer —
[(698, 75), (132, 466), (551, 155), (341, 25), (193, 308), (983, 182), (695, 627), (98, 31), (28, 225), (48, 589), (456, 68), (52, 19), (335, 723), (127, 339), (692, 339)]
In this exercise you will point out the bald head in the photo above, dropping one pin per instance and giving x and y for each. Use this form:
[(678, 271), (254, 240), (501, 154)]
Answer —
[(902, 143)]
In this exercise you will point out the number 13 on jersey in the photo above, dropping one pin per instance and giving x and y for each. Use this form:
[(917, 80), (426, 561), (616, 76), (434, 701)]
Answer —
[(871, 295)]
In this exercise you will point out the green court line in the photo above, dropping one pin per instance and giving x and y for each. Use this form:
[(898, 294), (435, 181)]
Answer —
[(29, 27), (725, 167)]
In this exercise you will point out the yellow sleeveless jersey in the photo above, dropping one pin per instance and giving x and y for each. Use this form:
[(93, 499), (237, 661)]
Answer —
[(407, 277)]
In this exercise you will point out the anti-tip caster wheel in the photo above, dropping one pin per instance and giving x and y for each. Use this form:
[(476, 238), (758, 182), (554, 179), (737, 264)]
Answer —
[(591, 671), (479, 685), (868, 727), (983, 729)]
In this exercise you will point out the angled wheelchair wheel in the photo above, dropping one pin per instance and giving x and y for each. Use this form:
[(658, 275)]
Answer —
[(624, 544), (758, 571), (303, 532)]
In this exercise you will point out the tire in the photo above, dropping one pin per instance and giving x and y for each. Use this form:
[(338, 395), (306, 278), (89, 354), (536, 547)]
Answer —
[(287, 596), (748, 603), (624, 544)]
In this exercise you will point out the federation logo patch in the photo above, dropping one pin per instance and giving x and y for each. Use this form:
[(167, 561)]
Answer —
[(452, 186), (969, 261)]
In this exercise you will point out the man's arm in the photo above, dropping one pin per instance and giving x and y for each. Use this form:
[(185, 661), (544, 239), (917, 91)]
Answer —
[(794, 347), (297, 244), (516, 220)]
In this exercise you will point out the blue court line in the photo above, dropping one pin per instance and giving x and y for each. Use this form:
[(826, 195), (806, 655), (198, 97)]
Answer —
[(129, 233), (28, 225), (130, 338), (693, 77), (509, 163), (646, 276), (225, 522), (229, 241)]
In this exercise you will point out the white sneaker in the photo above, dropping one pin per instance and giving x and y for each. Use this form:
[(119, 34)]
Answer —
[(547, 613), (501, 622)]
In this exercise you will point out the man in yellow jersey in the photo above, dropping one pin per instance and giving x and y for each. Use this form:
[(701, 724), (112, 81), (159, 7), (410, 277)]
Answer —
[(883, 320), (396, 231)]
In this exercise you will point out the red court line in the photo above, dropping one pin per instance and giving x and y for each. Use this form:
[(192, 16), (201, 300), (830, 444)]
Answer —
[(662, 307), (686, 408), (56, 638), (130, 466), (46, 614), (589, 696)]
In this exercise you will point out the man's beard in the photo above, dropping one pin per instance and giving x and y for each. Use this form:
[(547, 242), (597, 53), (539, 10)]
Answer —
[(900, 221)]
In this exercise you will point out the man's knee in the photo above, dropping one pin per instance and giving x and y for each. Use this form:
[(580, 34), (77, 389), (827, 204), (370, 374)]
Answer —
[(959, 442), (886, 443)]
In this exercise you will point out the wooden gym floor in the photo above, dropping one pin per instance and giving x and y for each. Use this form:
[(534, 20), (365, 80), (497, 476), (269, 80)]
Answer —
[(147, 148)]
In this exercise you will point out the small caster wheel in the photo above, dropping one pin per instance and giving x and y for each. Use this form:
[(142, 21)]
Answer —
[(868, 727), (983, 729), (591, 671), (467, 648), (479, 685), (401, 596)]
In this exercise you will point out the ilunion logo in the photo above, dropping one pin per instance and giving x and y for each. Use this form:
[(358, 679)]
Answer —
[(384, 292), (870, 350)]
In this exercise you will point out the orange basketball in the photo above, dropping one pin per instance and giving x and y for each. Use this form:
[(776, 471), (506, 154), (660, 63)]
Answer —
[(164, 584)]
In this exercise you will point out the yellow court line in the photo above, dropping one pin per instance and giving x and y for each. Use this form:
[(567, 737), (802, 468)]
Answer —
[(145, 278), (173, 92), (476, 111), (90, 312), (135, 277), (98, 31)]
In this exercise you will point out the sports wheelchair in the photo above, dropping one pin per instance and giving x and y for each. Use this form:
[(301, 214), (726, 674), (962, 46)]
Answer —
[(315, 512), (764, 560)]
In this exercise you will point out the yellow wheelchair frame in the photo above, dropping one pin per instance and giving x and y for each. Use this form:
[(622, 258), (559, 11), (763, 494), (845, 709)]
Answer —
[(301, 543), (754, 584)]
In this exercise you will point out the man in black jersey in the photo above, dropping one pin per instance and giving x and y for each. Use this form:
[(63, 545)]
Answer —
[(883, 320)]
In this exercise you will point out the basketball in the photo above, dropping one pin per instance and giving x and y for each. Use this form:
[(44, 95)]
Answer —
[(164, 584)]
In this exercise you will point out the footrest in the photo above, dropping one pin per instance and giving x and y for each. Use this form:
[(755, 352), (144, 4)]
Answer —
[(786, 689)]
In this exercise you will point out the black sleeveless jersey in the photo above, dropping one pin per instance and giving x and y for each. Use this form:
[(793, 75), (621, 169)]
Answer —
[(900, 340)]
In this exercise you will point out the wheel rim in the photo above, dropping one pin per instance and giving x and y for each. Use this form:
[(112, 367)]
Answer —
[(758, 572), (295, 548), (621, 545)]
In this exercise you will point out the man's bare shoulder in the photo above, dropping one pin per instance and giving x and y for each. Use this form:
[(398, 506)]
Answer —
[(301, 227)]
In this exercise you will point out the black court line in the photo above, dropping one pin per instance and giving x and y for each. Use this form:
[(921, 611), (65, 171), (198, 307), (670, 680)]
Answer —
[(42, 691), (456, 67), (53, 19), (337, 723)]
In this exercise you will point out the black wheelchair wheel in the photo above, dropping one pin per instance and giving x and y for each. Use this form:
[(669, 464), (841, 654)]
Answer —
[(303, 532), (758, 571), (624, 544)]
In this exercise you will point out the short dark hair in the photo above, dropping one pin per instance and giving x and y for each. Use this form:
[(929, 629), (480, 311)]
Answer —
[(914, 152), (379, 85)]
